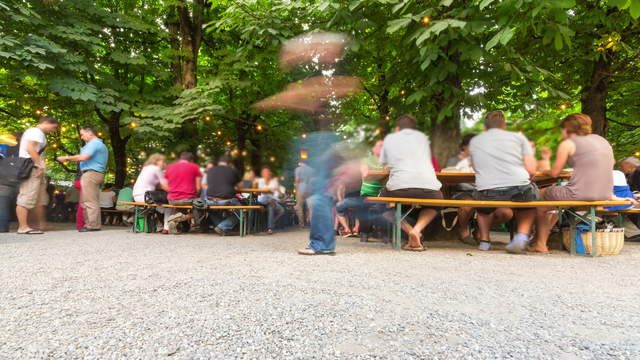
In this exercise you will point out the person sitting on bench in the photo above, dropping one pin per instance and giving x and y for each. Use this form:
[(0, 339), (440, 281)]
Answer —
[(504, 162), (407, 155), (222, 180), (591, 158), (183, 177), (151, 178)]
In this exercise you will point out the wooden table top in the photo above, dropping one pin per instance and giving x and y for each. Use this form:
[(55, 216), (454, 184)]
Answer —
[(491, 204), (254, 190)]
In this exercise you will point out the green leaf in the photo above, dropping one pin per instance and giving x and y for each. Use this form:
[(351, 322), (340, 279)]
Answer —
[(494, 41), (635, 9), (395, 25), (484, 4), (446, 3), (507, 34), (557, 41), (620, 4)]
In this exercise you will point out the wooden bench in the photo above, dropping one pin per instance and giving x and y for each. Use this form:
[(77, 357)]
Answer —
[(239, 211), (566, 206)]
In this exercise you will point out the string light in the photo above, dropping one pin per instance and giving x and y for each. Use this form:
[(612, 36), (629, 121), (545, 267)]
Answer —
[(402, 92), (425, 20), (563, 107), (207, 118), (133, 125), (55, 146), (304, 136), (228, 143), (219, 132), (344, 137), (99, 133), (637, 153), (259, 127), (244, 152), (272, 158), (38, 112), (63, 129)]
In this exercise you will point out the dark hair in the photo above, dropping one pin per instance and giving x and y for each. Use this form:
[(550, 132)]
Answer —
[(108, 185), (47, 119), (494, 119), (185, 155), (579, 124), (90, 129), (466, 140), (406, 122), (224, 159)]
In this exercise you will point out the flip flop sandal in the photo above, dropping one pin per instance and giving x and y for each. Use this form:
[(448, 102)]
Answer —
[(31, 232), (412, 248)]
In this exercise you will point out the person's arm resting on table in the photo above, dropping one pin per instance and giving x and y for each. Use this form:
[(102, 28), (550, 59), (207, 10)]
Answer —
[(566, 149)]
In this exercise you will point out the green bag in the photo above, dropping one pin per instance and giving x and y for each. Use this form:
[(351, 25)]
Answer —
[(145, 223)]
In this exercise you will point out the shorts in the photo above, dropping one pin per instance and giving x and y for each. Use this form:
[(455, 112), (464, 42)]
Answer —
[(33, 190), (415, 193), (557, 193), (182, 202), (522, 193)]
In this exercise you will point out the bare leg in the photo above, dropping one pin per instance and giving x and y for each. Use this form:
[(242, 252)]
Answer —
[(389, 216), (343, 221), (501, 216), (22, 214), (425, 217), (464, 218), (40, 217), (484, 225), (356, 227), (525, 219), (544, 222)]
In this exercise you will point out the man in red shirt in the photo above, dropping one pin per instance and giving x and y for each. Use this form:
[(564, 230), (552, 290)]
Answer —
[(183, 177)]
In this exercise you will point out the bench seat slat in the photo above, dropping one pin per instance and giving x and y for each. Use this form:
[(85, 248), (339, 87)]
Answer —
[(221, 207), (481, 203)]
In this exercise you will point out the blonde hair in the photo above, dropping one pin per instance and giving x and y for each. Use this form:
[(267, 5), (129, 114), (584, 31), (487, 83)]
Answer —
[(154, 159), (249, 175), (579, 124)]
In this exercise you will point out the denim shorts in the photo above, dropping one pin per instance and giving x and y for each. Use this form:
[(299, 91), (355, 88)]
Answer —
[(523, 193)]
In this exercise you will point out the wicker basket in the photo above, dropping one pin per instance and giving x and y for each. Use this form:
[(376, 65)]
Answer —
[(608, 242)]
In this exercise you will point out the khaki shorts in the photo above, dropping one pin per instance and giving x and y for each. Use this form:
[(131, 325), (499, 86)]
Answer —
[(33, 191)]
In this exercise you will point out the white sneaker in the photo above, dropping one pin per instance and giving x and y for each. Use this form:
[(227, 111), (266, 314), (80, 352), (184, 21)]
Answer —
[(484, 246)]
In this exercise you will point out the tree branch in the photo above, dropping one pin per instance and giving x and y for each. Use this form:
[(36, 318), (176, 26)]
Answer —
[(630, 126)]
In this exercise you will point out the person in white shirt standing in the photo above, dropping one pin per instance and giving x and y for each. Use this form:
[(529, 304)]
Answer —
[(33, 190), (407, 155)]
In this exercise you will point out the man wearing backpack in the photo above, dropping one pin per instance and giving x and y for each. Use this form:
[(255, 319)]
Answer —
[(33, 190)]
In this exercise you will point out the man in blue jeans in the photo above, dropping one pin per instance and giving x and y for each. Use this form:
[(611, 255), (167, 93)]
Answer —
[(221, 189), (322, 160)]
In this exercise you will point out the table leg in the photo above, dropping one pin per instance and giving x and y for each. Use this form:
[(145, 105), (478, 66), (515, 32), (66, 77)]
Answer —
[(136, 212)]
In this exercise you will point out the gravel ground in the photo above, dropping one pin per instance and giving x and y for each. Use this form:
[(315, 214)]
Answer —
[(113, 294)]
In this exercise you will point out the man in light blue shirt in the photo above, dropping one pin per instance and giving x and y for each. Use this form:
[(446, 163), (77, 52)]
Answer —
[(93, 163)]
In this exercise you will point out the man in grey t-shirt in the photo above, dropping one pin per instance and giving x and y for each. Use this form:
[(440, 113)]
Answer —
[(503, 162), (407, 155)]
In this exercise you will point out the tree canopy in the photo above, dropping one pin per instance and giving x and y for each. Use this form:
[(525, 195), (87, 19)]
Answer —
[(174, 75)]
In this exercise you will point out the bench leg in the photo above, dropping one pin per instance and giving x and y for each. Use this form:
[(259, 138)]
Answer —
[(397, 228), (572, 234), (594, 240), (242, 229), (136, 211)]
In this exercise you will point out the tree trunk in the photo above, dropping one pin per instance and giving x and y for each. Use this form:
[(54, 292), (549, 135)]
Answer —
[(118, 145), (594, 98), (445, 136)]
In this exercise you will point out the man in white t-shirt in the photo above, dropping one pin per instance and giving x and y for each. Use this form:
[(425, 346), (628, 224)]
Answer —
[(407, 155), (33, 190), (504, 163)]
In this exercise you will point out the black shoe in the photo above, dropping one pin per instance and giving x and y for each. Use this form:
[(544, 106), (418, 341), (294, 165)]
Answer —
[(84, 229)]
